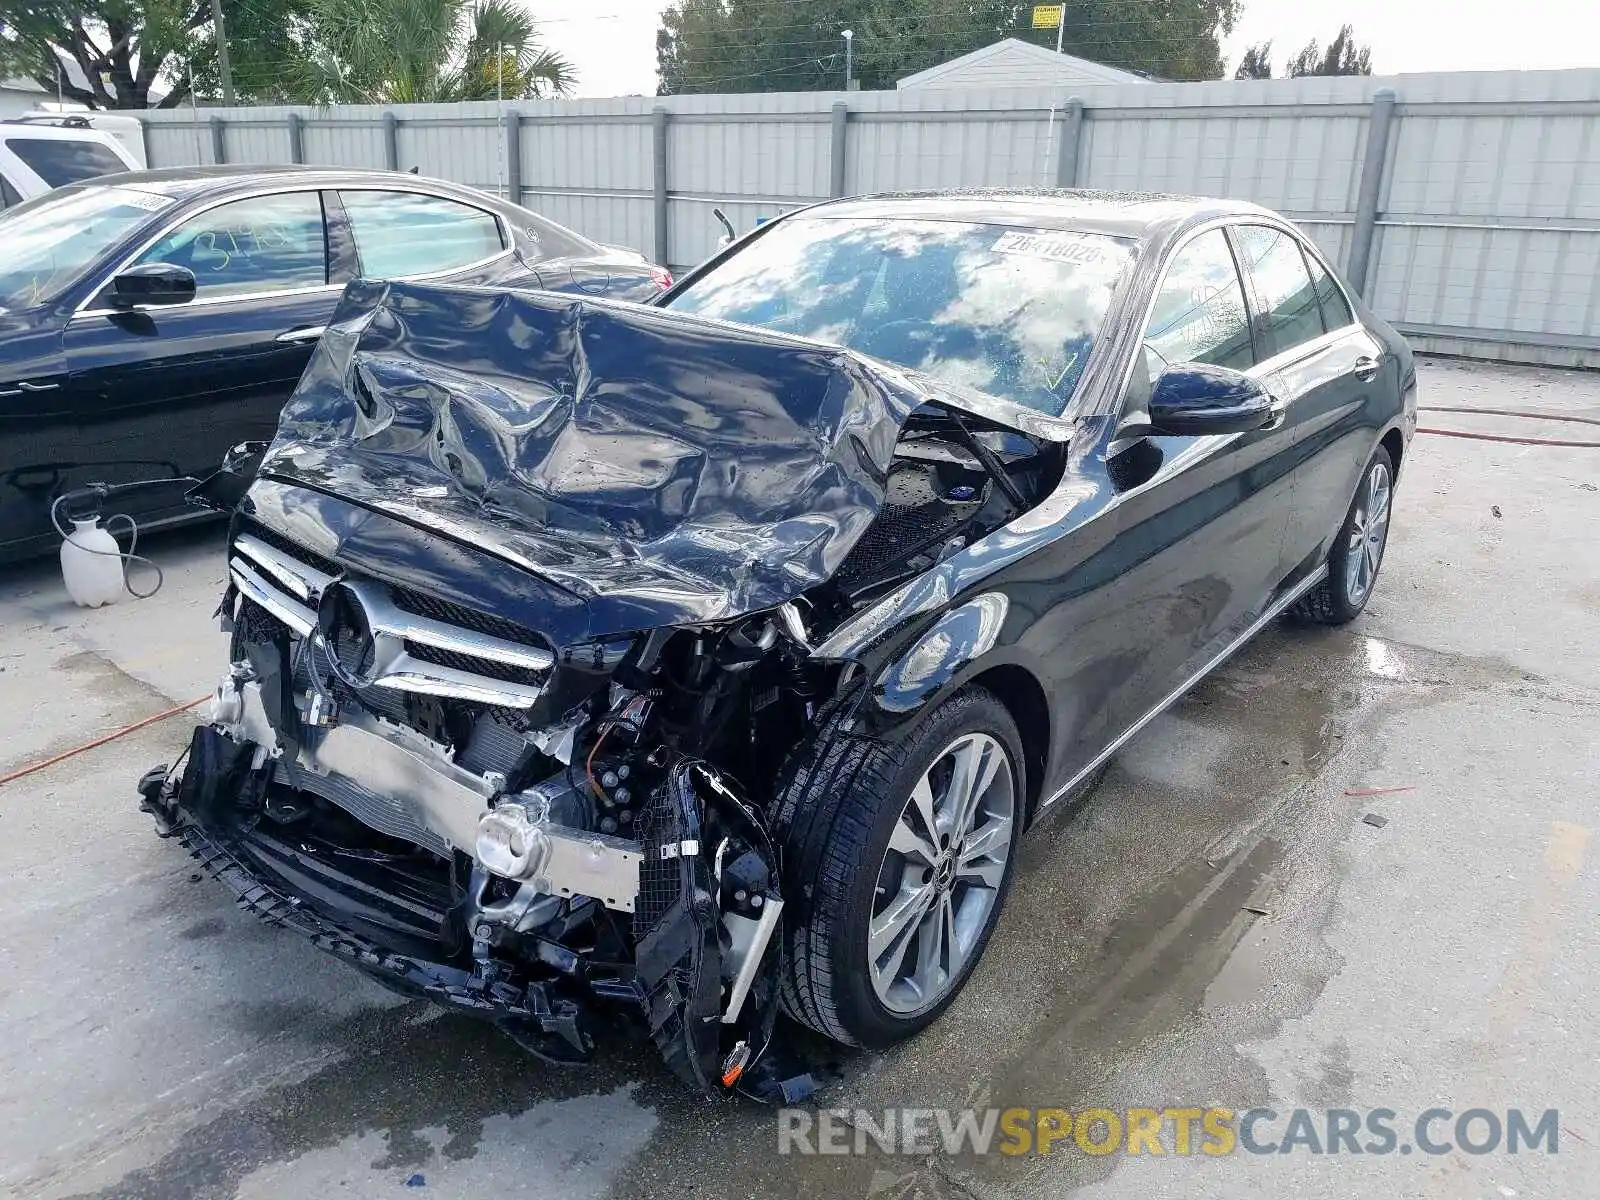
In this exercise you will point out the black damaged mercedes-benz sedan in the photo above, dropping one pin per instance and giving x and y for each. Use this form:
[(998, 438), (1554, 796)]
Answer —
[(708, 660)]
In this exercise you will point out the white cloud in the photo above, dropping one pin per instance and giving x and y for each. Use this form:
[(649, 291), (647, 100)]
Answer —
[(612, 43), (1428, 35)]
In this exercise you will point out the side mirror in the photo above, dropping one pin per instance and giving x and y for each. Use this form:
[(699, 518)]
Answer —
[(222, 490), (153, 283), (1196, 398), (728, 235)]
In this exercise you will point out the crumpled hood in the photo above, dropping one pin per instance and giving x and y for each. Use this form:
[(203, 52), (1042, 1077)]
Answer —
[(664, 468)]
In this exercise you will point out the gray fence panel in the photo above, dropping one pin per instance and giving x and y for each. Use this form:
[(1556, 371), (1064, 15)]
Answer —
[(345, 144), (1486, 238), (469, 154), (180, 145), (259, 143)]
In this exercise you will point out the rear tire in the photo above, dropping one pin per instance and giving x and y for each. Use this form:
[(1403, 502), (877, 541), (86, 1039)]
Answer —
[(863, 867), (1358, 550)]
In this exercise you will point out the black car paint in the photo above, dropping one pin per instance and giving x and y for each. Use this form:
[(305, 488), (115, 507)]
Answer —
[(89, 393), (1150, 557)]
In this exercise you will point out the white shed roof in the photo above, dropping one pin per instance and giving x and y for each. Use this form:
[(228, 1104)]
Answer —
[(1014, 62)]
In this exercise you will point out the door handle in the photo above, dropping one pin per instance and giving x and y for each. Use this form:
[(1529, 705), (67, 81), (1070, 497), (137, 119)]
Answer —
[(1366, 369), (27, 385), (306, 333)]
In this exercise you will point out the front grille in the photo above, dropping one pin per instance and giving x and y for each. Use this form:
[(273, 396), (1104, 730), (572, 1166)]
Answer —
[(257, 626), (292, 548), (423, 605), (394, 638), (505, 672)]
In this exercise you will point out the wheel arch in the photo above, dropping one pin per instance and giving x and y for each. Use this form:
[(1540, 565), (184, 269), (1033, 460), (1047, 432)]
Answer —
[(1025, 699), (1395, 443)]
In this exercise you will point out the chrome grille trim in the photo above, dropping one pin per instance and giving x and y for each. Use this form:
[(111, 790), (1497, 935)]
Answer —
[(386, 618), (304, 581), (407, 674), (295, 615)]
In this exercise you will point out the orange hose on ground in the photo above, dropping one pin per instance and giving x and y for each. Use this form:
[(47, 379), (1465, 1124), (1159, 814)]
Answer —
[(1506, 438), (100, 741), (1515, 441), (1510, 412)]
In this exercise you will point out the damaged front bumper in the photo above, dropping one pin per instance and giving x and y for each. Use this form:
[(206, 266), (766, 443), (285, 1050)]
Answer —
[(282, 883), (698, 981)]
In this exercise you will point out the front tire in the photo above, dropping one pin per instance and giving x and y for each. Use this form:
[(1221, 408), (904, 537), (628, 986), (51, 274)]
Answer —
[(1357, 552), (901, 857)]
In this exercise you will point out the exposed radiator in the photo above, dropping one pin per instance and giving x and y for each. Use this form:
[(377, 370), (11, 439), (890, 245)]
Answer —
[(381, 813)]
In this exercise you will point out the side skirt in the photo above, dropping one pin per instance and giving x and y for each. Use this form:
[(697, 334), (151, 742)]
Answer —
[(1266, 618)]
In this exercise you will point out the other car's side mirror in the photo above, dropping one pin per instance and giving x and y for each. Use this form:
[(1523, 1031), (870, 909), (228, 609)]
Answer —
[(152, 283), (1191, 399), (728, 235)]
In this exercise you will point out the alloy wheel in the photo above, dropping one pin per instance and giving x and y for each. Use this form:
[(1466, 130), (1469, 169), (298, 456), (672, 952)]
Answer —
[(1369, 532), (941, 874)]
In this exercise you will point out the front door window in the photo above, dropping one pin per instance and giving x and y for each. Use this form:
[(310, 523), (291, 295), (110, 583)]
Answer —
[(250, 247)]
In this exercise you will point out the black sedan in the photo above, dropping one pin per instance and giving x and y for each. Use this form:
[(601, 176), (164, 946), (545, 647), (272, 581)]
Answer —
[(710, 659), (149, 321)]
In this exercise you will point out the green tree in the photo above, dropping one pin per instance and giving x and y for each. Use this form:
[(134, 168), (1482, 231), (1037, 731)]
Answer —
[(413, 51), (1342, 57), (131, 55), (778, 45), (122, 50), (1256, 62)]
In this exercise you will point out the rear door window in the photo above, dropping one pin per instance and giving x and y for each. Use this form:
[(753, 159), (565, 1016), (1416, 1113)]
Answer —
[(8, 194), (247, 247), (1199, 314), (60, 161), (1286, 310), (1336, 312), (401, 234)]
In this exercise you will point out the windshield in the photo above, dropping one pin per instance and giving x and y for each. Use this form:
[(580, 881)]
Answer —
[(1009, 311), (45, 246)]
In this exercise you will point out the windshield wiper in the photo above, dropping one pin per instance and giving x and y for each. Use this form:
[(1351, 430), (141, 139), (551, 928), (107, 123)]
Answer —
[(990, 460)]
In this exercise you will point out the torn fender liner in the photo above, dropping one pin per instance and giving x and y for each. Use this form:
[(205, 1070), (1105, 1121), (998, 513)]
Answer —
[(665, 468), (678, 953)]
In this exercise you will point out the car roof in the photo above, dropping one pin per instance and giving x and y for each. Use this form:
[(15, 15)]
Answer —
[(57, 133), (1139, 215), (184, 183)]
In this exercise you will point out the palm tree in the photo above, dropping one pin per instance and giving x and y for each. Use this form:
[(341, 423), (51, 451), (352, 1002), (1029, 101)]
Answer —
[(417, 51)]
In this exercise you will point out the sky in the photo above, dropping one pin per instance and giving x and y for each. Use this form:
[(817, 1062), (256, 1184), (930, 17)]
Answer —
[(612, 42)]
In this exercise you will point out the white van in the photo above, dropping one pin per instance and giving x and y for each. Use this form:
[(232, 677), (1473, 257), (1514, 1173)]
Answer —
[(36, 156), (128, 130)]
